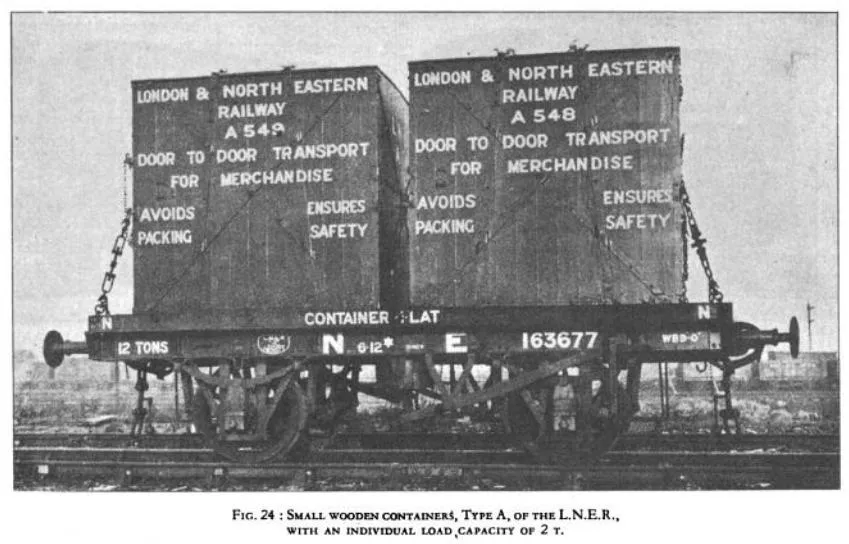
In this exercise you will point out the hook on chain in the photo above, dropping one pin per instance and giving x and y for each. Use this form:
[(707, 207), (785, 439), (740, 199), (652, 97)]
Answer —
[(102, 306), (714, 293)]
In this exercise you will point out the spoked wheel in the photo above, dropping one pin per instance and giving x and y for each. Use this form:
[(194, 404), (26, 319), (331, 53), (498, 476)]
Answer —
[(249, 421), (335, 394), (566, 420)]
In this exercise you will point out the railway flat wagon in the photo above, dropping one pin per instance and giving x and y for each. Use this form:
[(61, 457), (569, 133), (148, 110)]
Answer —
[(521, 234)]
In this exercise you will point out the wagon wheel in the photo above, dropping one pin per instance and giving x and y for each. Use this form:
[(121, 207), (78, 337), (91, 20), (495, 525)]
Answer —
[(260, 423), (564, 420), (334, 393)]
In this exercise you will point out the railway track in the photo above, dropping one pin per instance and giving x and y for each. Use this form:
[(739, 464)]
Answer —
[(464, 441), (443, 468), (621, 472)]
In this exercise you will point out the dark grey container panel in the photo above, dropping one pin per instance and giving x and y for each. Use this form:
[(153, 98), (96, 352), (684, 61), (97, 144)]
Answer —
[(531, 230), (280, 218)]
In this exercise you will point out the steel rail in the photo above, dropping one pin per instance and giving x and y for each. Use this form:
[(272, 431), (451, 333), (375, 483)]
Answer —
[(623, 470), (460, 441), (142, 455), (322, 457)]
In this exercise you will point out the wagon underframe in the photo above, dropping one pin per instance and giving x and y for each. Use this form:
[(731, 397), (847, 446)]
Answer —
[(563, 380)]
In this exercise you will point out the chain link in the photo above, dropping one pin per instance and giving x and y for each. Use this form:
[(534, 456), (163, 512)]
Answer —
[(685, 251), (714, 294), (128, 163), (102, 306)]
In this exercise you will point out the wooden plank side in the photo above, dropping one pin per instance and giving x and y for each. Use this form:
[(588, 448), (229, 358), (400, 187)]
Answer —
[(394, 140), (562, 215), (452, 267), (310, 240), (288, 192), (168, 195), (641, 102)]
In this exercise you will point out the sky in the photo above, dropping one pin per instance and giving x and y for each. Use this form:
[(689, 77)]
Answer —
[(759, 112)]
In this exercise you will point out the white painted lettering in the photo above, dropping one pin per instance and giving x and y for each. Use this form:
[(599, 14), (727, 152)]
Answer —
[(331, 85), (334, 343), (330, 207), (242, 154), (524, 141), (428, 79), (430, 145), (184, 181), (171, 213), (163, 237), (445, 226), (651, 136), (533, 73), (160, 96), (637, 196), (321, 151), (636, 221), (252, 90), (162, 158), (538, 94), (242, 111), (446, 202), (465, 168), (277, 177), (338, 230), (631, 68)]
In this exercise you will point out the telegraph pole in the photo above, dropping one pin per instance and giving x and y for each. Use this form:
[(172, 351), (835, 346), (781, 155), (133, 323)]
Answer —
[(810, 340)]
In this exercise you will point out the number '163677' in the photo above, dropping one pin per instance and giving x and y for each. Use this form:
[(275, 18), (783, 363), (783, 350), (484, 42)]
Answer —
[(559, 340)]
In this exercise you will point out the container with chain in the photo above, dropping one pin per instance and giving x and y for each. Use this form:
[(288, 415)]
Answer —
[(271, 260)]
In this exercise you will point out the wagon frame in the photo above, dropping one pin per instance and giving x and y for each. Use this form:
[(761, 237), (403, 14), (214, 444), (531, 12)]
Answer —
[(290, 378)]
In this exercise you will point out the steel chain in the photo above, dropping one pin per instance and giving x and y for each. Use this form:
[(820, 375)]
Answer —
[(685, 251), (714, 294), (102, 306)]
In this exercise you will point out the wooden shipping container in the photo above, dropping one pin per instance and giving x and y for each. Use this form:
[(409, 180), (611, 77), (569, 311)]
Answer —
[(546, 179), (270, 190)]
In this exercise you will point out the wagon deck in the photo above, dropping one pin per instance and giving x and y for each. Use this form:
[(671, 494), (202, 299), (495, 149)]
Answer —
[(685, 331)]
